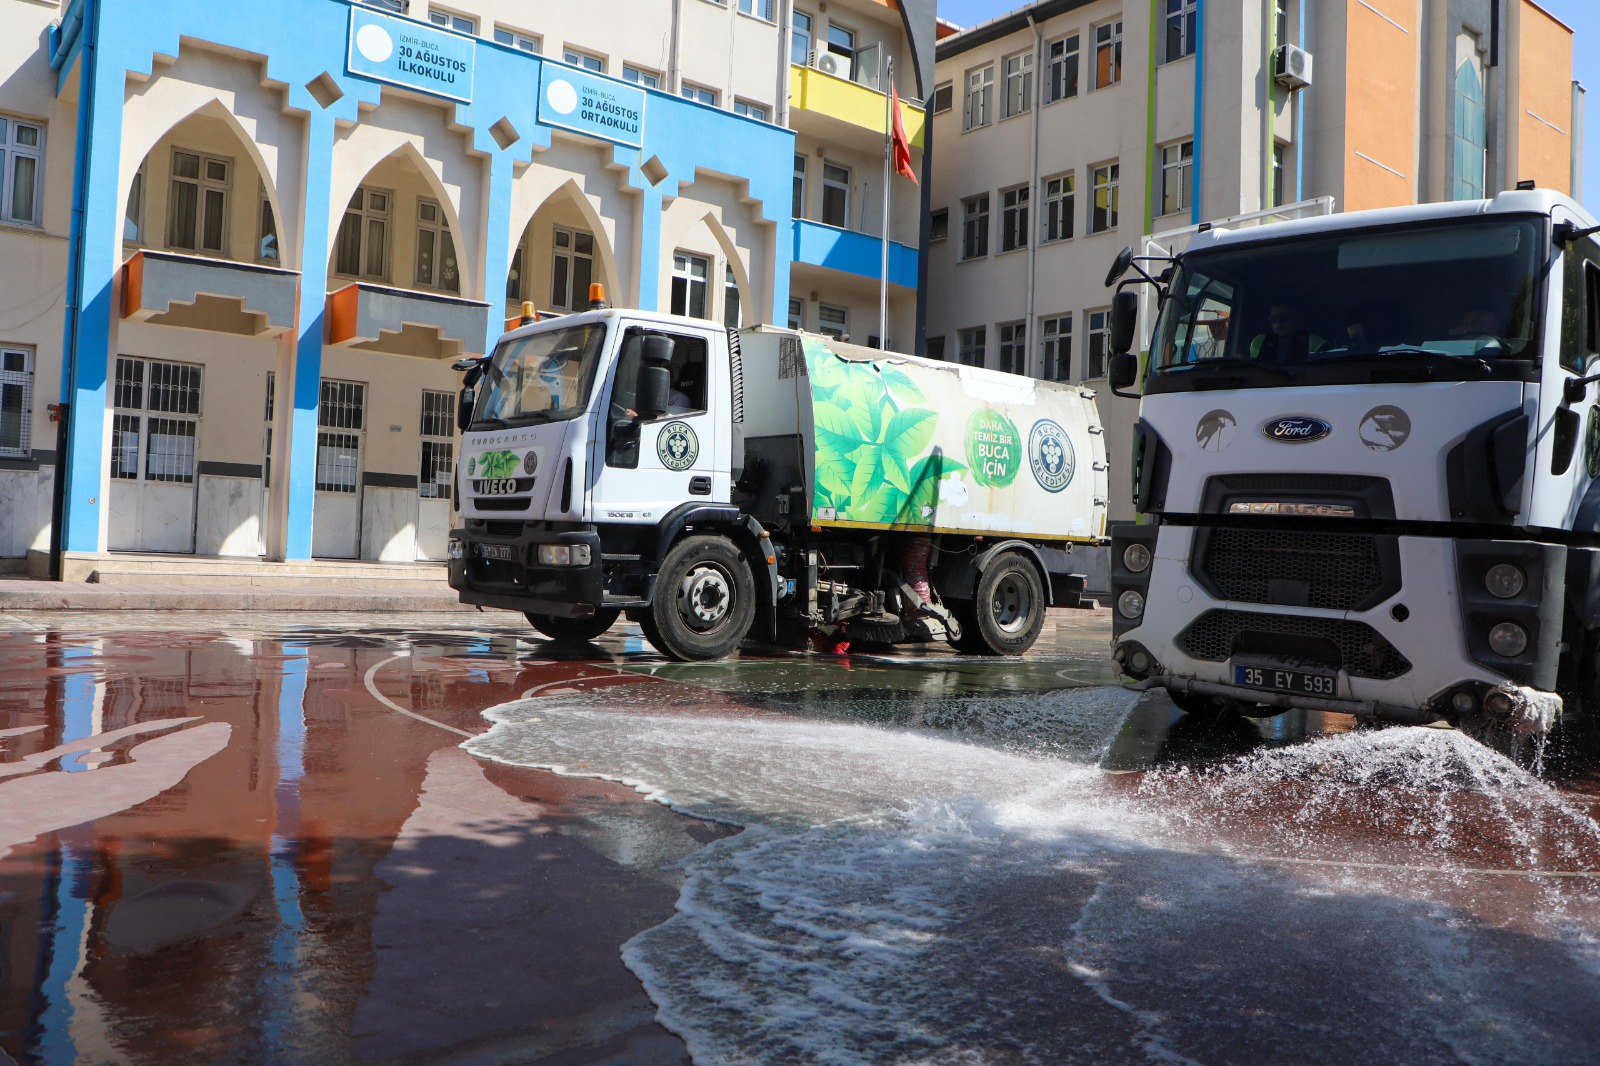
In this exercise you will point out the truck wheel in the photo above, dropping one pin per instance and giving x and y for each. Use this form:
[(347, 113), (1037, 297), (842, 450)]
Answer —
[(704, 600), (1008, 612), (574, 630)]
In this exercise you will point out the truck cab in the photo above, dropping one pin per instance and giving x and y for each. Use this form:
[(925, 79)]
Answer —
[(1367, 464)]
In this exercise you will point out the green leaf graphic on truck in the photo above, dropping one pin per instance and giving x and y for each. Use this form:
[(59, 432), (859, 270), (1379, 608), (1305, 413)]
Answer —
[(497, 464), (870, 440)]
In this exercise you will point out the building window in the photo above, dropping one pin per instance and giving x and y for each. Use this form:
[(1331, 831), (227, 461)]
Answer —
[(584, 60), (397, 6), (1180, 40), (267, 238), (266, 452), (975, 227), (1014, 219), (572, 269), (452, 21), (842, 43), (133, 217), (525, 42), (799, 208), (1058, 208), (690, 274), (699, 93), (800, 39), (1019, 83), (939, 224), (1107, 54), (749, 110), (640, 76), (1055, 348), (1103, 211), (797, 309), (943, 98), (1471, 139), (16, 401), (835, 195), (971, 341), (1278, 184), (1098, 344), (761, 9), (363, 243), (1063, 69), (833, 322), (155, 421), (980, 97), (438, 445), (934, 347), (514, 277), (198, 213), (341, 415), (436, 250), (1177, 176), (1014, 348), (1280, 22), (731, 313)]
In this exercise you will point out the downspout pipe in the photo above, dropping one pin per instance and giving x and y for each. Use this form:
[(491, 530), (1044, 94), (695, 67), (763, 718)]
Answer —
[(1300, 119), (1196, 173), (84, 146), (1033, 188)]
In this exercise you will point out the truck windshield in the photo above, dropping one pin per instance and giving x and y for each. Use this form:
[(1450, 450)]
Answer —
[(545, 377), (1452, 301)]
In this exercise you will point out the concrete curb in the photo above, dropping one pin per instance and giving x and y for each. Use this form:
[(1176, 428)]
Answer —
[(16, 595)]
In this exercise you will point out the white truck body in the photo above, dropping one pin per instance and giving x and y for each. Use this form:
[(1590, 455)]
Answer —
[(801, 464)]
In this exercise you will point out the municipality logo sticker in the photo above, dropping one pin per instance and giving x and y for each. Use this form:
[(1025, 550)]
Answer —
[(677, 446), (1051, 456)]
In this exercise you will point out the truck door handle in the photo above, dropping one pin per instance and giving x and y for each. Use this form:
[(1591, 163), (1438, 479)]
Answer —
[(700, 485)]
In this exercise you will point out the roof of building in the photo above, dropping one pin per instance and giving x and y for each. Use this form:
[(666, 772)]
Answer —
[(1005, 25)]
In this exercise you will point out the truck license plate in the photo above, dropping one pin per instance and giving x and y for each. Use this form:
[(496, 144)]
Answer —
[(495, 551), (1298, 682)]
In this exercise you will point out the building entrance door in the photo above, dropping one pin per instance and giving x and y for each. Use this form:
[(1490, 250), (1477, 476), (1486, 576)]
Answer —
[(336, 514), (155, 426), (435, 475)]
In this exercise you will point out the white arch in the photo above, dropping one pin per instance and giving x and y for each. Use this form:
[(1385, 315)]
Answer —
[(571, 193)]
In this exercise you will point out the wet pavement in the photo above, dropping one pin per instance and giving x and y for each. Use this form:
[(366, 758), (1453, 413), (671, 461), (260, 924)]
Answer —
[(298, 838)]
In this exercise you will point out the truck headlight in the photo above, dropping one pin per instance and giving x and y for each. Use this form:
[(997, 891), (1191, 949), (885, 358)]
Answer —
[(457, 550), (1136, 557), (1505, 580), (1130, 604), (564, 555), (1508, 639)]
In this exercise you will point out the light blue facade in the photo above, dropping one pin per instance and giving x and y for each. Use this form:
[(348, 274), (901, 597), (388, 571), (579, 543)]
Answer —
[(817, 244), (306, 46)]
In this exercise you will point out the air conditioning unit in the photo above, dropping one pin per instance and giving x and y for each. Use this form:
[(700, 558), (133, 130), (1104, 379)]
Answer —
[(1291, 66), (829, 63)]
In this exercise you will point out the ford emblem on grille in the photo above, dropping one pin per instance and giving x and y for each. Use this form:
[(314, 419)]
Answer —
[(1296, 429)]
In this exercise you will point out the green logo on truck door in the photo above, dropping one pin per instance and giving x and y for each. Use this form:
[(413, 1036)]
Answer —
[(994, 448)]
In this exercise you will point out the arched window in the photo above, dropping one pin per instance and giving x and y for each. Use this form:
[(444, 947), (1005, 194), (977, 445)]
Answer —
[(1471, 139)]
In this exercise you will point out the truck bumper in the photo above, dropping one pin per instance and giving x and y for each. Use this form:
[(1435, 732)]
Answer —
[(504, 571), (1416, 649)]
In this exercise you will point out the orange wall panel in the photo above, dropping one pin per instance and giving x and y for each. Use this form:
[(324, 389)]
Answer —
[(1544, 66), (1381, 105)]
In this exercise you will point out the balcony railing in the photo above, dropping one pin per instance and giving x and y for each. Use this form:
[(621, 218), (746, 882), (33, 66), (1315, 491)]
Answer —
[(855, 253), (219, 295), (426, 325), (843, 100)]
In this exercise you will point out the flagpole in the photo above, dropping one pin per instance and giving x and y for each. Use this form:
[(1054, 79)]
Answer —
[(888, 155)]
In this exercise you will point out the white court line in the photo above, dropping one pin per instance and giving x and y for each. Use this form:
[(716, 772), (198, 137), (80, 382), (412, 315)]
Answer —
[(393, 706)]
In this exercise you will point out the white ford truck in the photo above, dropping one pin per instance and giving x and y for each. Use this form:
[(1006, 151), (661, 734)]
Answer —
[(716, 485), (1368, 462)]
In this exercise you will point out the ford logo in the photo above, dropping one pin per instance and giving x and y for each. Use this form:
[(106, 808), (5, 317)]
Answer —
[(1296, 429)]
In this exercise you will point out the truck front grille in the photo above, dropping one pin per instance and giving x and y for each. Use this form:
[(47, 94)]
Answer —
[(503, 503), (1334, 643), (1331, 571)]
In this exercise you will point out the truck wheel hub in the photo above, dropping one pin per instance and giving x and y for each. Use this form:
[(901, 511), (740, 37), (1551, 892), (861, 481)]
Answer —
[(703, 597)]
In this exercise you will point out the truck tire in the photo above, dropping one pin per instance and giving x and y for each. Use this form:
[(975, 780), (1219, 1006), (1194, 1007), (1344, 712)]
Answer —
[(704, 600), (574, 630), (1008, 611)]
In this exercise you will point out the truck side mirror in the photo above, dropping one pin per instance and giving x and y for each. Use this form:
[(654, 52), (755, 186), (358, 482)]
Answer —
[(1124, 319), (464, 404), (1123, 372), (655, 385)]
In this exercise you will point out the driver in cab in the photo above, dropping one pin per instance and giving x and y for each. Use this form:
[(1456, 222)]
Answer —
[(1287, 339)]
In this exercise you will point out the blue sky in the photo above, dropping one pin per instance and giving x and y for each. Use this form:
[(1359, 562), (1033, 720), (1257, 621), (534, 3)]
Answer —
[(1582, 15)]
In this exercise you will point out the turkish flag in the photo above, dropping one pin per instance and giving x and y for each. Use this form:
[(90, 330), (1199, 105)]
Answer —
[(902, 145)]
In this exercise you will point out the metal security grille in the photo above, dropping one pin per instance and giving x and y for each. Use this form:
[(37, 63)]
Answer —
[(155, 425), (342, 405), (125, 447), (438, 447), (16, 401), (1335, 643), (338, 461), (1336, 572), (266, 457), (174, 388), (169, 450)]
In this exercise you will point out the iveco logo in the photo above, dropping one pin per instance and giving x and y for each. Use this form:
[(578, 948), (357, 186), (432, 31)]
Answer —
[(1296, 429)]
